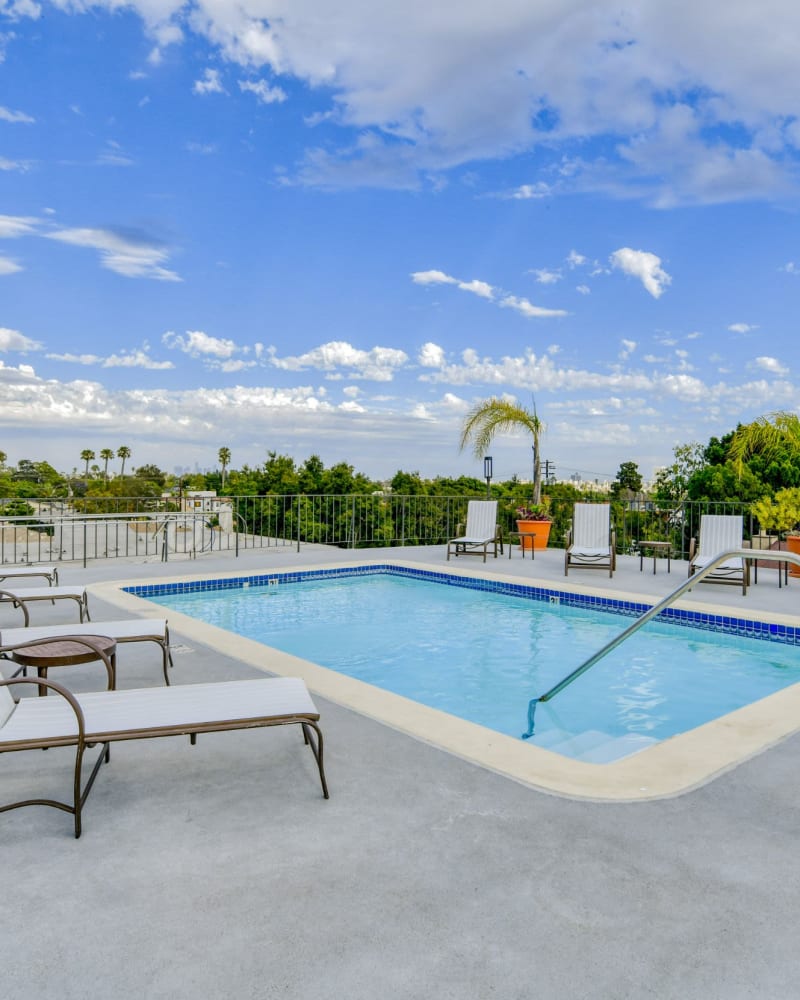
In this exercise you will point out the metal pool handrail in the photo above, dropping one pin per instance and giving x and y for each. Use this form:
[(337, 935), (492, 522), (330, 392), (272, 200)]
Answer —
[(766, 555)]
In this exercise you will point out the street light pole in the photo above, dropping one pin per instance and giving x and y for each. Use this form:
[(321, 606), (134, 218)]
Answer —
[(487, 475)]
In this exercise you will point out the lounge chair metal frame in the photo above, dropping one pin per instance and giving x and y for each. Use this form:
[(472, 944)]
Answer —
[(596, 548), (21, 599), (50, 573), (285, 688), (719, 533), (481, 531)]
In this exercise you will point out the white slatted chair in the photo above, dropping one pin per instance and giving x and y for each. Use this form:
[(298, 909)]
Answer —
[(50, 573), (719, 533), (23, 596), (105, 717), (125, 630), (591, 543), (481, 531)]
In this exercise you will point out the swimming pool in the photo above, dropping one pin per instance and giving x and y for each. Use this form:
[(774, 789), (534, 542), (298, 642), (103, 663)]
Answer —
[(480, 650)]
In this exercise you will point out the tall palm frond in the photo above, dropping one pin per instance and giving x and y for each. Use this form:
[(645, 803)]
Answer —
[(499, 416), (764, 436)]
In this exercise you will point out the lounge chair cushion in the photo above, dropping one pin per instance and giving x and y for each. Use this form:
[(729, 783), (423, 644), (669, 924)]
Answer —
[(142, 709)]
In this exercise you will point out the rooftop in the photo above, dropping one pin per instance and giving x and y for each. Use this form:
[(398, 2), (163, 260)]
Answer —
[(220, 868)]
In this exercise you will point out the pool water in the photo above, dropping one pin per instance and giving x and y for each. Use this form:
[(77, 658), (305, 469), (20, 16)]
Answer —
[(482, 656)]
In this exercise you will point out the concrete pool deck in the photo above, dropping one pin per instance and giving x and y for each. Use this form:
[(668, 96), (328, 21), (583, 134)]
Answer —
[(219, 869)]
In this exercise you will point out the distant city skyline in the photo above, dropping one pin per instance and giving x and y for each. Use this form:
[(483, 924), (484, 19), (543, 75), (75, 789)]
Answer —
[(262, 227)]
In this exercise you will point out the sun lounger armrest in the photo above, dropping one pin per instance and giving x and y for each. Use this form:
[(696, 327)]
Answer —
[(692, 550), (40, 682)]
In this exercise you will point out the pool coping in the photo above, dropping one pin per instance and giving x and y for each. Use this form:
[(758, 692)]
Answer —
[(671, 767)]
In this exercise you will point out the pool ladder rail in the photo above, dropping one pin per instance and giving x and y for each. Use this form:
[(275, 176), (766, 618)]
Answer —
[(766, 556)]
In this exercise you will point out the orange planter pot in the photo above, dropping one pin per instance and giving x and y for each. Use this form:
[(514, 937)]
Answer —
[(793, 545), (533, 534)]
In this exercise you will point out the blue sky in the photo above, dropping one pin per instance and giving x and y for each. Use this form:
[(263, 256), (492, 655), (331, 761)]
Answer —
[(331, 228)]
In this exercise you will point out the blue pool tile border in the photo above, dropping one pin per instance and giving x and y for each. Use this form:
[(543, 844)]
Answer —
[(729, 624)]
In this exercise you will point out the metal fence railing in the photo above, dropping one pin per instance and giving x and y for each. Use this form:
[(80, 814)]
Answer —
[(46, 530)]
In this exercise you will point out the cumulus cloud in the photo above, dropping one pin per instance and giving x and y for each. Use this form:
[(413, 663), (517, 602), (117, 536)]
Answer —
[(544, 276), (129, 253), (263, 91), (742, 328), (431, 356), (528, 309), (771, 365), (198, 344), (338, 357), (13, 340), (644, 266), (209, 84)]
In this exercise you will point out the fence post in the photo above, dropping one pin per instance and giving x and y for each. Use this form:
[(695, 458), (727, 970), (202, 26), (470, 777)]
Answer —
[(353, 522), (298, 522)]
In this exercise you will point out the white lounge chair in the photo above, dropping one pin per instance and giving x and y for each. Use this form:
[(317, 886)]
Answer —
[(125, 630), (105, 717), (21, 597), (720, 533), (481, 531), (50, 573), (591, 543)]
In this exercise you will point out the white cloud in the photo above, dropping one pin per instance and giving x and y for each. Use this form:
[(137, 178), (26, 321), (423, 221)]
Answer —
[(263, 91), (13, 340), (575, 259), (628, 347), (431, 356), (6, 115), (544, 276), (527, 191), (8, 266), (771, 365), (125, 359), (527, 309), (210, 84), (22, 166), (432, 278), (12, 226), (583, 289), (486, 291), (198, 344), (130, 254), (742, 328), (644, 266), (376, 365)]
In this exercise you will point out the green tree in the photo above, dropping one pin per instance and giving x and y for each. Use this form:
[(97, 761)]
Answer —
[(87, 455), (106, 454), (224, 456), (499, 416), (765, 436), (628, 481), (151, 474), (124, 453), (672, 483)]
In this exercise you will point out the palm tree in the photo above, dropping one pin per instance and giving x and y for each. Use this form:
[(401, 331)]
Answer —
[(499, 416), (124, 452), (106, 454), (764, 436), (3, 458), (224, 461), (87, 455)]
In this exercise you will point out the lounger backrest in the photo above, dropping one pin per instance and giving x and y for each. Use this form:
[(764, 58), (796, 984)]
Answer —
[(481, 518), (591, 525), (7, 704), (719, 532)]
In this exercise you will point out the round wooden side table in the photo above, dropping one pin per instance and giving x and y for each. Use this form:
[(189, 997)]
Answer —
[(66, 653)]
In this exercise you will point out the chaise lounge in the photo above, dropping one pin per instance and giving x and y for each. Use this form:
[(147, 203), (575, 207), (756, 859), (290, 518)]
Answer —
[(21, 598), (123, 630), (481, 531), (50, 573), (105, 717), (720, 533), (591, 543)]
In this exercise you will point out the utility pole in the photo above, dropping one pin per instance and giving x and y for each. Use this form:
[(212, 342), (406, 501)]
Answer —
[(549, 470)]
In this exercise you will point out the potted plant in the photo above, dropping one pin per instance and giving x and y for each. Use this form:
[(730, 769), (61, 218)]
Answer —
[(782, 512), (533, 521)]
